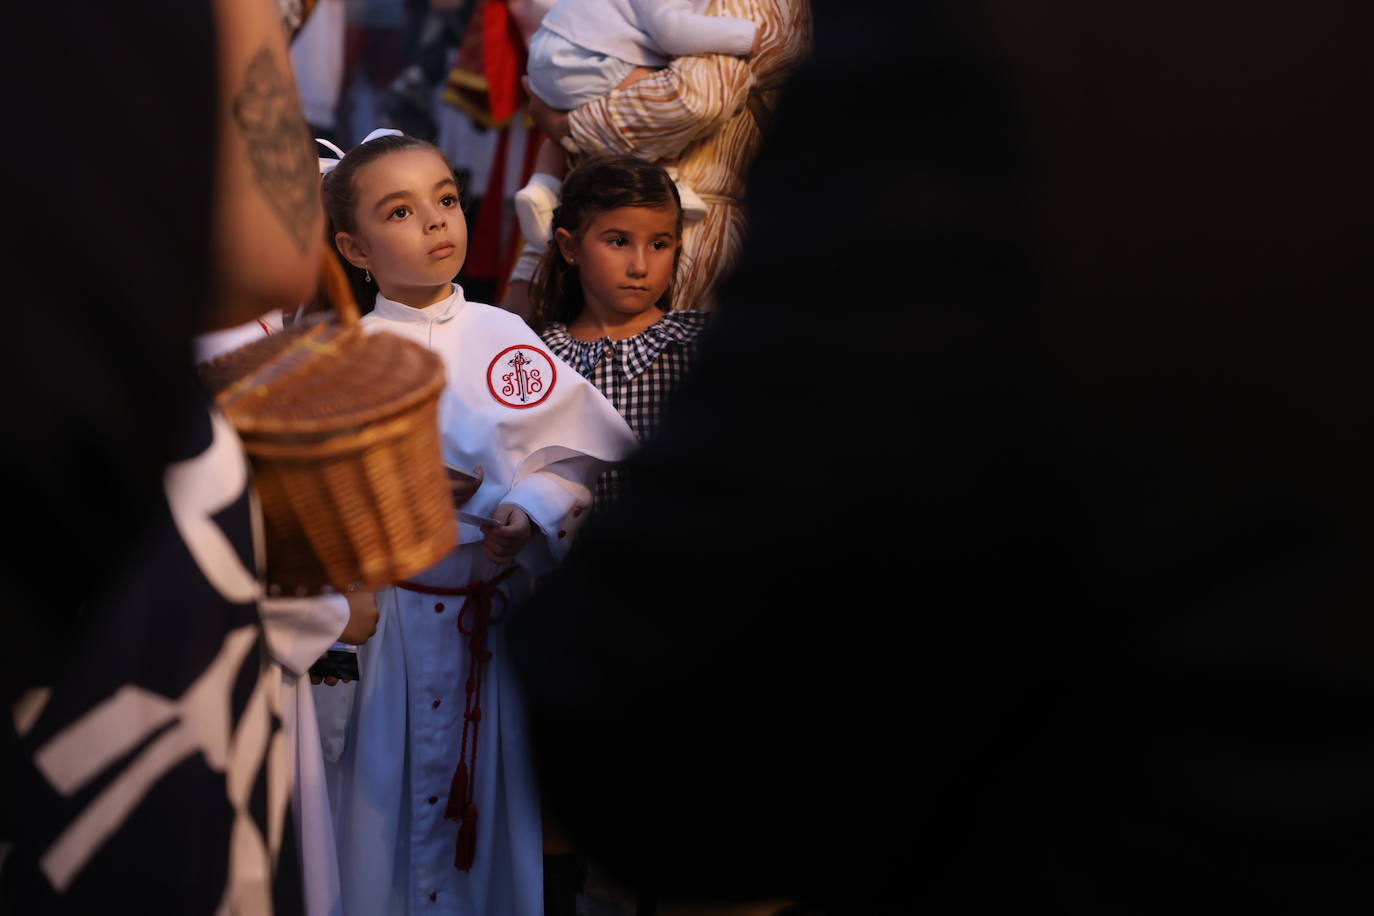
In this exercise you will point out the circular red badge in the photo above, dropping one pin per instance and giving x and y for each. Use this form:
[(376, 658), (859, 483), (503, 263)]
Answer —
[(521, 376)]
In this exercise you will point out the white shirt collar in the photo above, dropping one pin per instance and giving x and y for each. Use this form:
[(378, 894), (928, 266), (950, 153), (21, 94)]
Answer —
[(441, 311)]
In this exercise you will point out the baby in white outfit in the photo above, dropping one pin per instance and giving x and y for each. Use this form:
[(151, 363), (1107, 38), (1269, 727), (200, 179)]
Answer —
[(585, 49)]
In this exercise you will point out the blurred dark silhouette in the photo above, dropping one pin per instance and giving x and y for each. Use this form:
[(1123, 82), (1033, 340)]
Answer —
[(132, 655), (1012, 543), (107, 276)]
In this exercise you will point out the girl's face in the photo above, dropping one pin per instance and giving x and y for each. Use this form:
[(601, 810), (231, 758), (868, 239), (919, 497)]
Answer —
[(625, 258), (410, 229)]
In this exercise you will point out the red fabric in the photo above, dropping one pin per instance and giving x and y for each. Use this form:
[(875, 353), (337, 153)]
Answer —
[(503, 60), (485, 79), (500, 49)]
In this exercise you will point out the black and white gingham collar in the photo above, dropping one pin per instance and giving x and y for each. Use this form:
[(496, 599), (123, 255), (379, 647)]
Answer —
[(679, 326)]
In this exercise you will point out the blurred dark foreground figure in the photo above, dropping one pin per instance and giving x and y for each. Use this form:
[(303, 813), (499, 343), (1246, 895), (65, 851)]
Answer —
[(162, 184), (1012, 544)]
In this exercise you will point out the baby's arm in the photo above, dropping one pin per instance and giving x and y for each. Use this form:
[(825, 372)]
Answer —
[(693, 96), (657, 116), (681, 32)]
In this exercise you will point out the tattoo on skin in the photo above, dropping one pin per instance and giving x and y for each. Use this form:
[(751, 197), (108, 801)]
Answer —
[(280, 146)]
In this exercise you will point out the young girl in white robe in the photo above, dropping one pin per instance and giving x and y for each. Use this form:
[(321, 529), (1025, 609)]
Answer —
[(431, 777)]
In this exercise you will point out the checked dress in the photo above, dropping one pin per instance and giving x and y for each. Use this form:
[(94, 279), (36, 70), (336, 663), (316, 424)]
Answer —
[(637, 374)]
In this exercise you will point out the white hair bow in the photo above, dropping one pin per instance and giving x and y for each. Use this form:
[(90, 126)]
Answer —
[(383, 132), (327, 164)]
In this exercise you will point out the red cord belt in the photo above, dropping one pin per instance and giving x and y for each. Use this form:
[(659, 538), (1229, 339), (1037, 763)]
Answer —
[(477, 611)]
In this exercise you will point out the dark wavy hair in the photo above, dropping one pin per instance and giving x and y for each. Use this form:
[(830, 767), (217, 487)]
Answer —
[(339, 190), (598, 184)]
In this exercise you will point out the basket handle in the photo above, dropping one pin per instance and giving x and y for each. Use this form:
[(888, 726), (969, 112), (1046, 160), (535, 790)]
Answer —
[(337, 289)]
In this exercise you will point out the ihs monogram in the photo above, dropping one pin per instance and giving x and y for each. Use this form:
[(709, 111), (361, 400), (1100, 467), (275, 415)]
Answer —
[(521, 383)]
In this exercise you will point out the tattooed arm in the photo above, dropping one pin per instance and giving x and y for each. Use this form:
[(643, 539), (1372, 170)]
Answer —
[(268, 223)]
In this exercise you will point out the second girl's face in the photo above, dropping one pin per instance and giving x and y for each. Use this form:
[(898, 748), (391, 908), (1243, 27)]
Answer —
[(625, 258), (410, 229)]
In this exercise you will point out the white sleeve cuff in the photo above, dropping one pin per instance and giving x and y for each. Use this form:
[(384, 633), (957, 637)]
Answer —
[(556, 499)]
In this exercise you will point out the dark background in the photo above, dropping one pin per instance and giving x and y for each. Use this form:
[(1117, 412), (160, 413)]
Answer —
[(1012, 544)]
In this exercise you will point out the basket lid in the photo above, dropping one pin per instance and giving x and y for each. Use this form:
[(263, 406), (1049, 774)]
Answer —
[(338, 379)]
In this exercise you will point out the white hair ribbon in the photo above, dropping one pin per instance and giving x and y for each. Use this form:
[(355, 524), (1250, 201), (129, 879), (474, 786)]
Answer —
[(383, 132), (326, 163)]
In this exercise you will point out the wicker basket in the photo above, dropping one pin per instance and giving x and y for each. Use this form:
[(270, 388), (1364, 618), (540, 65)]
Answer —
[(342, 431)]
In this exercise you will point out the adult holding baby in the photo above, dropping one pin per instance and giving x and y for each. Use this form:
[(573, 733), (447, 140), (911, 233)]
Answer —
[(708, 112)]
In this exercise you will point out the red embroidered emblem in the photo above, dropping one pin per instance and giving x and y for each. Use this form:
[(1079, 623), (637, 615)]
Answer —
[(521, 376)]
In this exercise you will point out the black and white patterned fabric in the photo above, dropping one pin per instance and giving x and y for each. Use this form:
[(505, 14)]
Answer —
[(637, 374), (147, 772)]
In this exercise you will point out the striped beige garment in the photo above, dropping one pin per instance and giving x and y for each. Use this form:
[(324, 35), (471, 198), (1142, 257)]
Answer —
[(707, 110)]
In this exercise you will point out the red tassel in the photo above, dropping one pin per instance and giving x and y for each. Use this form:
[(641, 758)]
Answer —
[(457, 793), (467, 840)]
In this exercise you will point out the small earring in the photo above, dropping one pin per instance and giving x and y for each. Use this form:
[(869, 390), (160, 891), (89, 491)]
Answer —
[(367, 275), (572, 262)]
